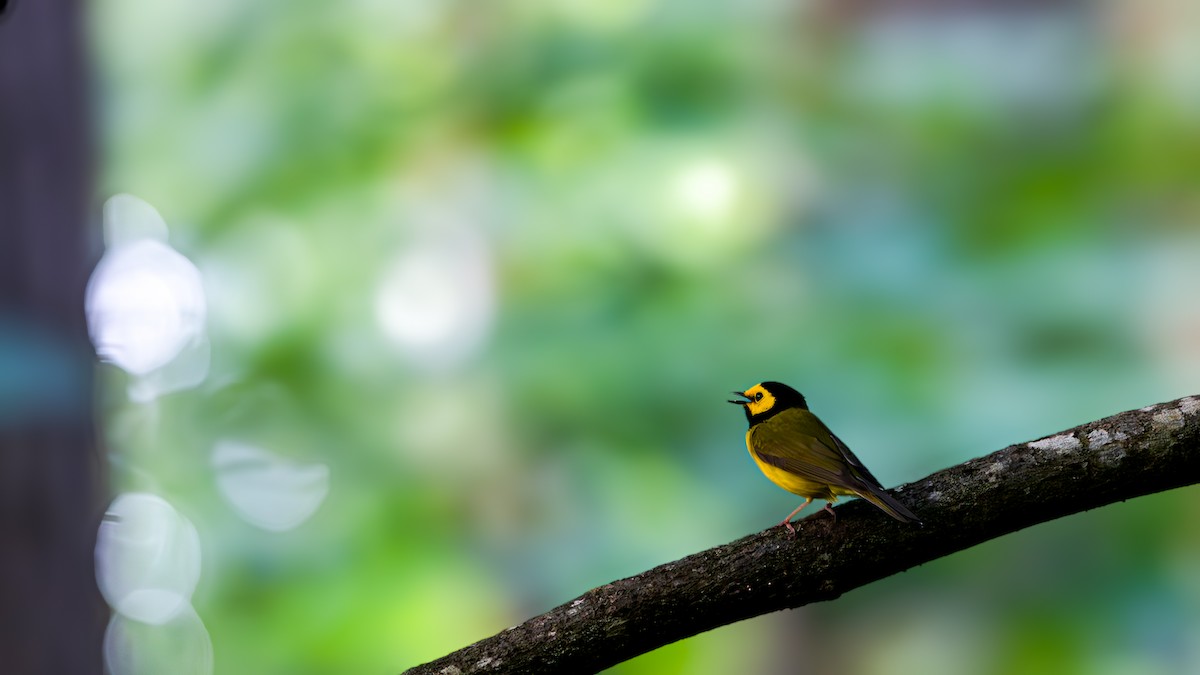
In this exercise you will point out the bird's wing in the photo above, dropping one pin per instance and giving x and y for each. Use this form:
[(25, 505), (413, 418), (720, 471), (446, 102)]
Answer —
[(860, 469), (821, 458)]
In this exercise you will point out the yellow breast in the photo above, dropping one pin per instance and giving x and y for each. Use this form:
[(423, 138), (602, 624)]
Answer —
[(794, 483)]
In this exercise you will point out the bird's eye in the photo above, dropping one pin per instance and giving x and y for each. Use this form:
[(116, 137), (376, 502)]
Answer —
[(758, 396)]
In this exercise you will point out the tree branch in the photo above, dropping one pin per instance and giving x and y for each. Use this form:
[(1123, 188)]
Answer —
[(1128, 455)]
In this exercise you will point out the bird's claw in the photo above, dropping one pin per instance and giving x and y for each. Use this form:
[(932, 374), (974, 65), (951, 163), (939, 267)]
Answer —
[(790, 528), (828, 508)]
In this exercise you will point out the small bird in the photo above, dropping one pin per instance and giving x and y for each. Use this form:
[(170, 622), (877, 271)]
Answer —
[(795, 449)]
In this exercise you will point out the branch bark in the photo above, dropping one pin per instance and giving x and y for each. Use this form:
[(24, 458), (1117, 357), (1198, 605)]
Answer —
[(1127, 455)]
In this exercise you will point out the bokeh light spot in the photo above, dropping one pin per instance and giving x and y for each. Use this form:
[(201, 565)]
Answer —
[(145, 301), (706, 190), (267, 490), (180, 646), (128, 219), (436, 300), (147, 558)]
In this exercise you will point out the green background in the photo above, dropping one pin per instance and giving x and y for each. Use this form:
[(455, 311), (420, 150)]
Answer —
[(951, 229)]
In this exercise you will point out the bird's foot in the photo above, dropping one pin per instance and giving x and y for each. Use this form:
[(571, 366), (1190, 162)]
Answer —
[(790, 528), (829, 509)]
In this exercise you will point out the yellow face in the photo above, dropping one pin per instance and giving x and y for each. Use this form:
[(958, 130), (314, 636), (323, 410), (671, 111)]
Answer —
[(761, 400)]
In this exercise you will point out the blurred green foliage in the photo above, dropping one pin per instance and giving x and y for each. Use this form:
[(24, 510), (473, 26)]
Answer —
[(951, 230)]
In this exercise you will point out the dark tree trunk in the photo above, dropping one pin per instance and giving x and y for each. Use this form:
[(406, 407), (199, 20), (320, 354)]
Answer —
[(50, 490)]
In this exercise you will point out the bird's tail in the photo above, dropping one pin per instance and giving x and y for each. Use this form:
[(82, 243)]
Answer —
[(889, 505)]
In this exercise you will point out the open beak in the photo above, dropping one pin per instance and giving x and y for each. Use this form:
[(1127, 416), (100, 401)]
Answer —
[(743, 395)]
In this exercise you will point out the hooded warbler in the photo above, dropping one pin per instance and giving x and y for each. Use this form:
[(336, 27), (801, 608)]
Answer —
[(795, 449)]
